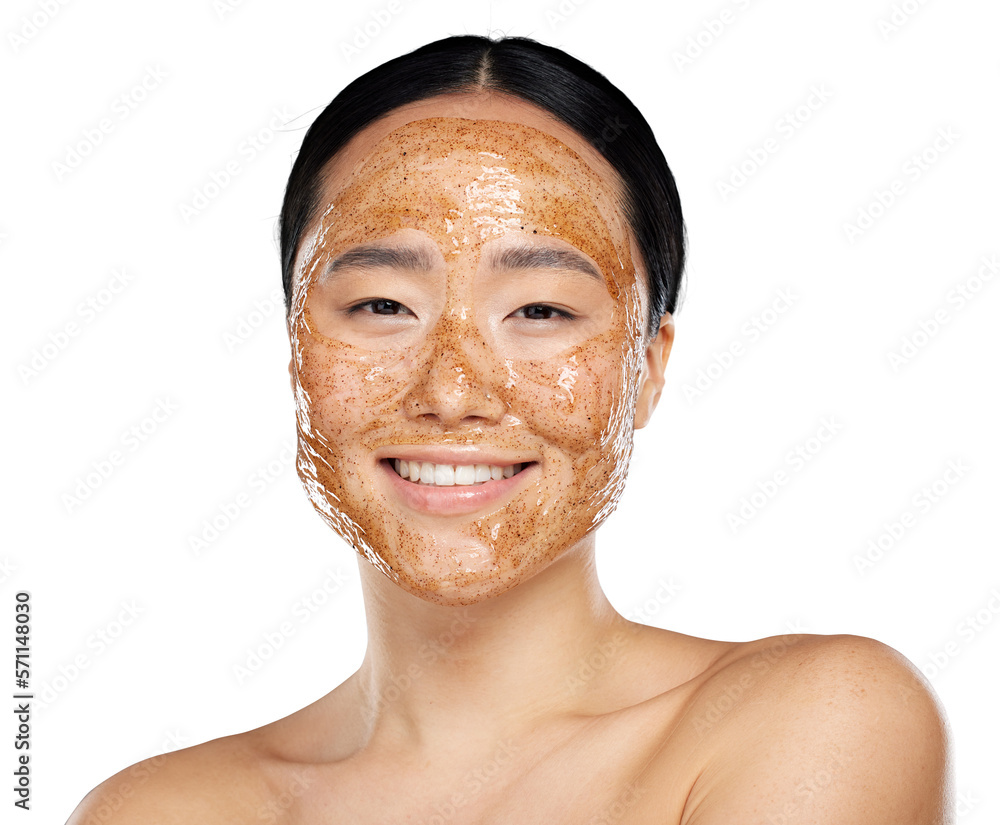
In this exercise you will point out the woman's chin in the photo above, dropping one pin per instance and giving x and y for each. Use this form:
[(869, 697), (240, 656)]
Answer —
[(462, 579)]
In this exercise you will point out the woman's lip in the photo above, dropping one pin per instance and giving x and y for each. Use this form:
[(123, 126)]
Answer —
[(456, 500), (437, 454)]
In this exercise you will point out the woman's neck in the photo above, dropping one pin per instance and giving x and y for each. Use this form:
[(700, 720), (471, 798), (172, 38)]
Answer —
[(438, 678)]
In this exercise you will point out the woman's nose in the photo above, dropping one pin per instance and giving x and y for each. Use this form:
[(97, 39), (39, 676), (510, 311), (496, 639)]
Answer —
[(454, 383)]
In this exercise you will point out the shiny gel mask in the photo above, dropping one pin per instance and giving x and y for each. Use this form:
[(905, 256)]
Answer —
[(467, 344)]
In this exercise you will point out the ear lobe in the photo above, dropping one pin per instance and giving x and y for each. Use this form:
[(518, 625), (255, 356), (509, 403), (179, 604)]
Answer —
[(291, 374), (653, 368)]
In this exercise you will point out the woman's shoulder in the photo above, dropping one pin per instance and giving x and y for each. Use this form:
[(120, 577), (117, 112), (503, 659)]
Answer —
[(805, 667), (220, 781), (816, 720)]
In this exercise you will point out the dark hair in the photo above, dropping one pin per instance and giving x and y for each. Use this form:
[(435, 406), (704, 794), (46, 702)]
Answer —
[(567, 88)]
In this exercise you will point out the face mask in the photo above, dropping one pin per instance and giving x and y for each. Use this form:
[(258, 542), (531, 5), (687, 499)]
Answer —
[(467, 298)]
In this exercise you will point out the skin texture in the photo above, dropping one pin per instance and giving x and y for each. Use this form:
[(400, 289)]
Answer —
[(486, 702), (460, 368)]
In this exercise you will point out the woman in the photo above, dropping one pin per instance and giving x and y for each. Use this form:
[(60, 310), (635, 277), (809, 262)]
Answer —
[(482, 248)]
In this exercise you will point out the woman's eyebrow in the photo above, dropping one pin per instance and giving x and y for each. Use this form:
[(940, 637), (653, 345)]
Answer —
[(543, 257), (381, 257)]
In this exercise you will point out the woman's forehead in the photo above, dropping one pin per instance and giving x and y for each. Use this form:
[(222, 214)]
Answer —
[(469, 181), (477, 110)]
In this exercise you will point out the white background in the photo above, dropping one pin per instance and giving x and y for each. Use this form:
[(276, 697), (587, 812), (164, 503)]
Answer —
[(219, 75)]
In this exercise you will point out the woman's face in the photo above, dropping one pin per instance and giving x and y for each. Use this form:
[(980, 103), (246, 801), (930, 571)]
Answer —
[(468, 348)]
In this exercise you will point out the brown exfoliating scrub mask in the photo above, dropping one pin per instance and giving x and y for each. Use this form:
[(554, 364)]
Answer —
[(467, 338)]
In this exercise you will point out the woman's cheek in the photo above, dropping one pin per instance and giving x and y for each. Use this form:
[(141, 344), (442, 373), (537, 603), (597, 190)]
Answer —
[(340, 379), (566, 401)]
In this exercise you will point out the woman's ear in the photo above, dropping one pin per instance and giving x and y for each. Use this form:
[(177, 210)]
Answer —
[(651, 381)]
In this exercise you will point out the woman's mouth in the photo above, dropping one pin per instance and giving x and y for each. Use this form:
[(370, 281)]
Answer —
[(452, 475), (455, 489)]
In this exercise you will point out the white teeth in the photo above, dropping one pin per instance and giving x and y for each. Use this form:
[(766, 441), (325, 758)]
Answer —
[(444, 475), (450, 475), (427, 472)]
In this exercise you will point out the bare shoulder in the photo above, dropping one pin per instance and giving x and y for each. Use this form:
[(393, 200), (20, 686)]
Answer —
[(821, 729), (221, 781)]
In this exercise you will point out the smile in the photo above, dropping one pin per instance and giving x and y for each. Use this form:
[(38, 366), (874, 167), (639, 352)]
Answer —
[(453, 475)]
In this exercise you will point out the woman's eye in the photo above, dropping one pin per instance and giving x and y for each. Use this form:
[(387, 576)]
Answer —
[(541, 312), (380, 306)]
